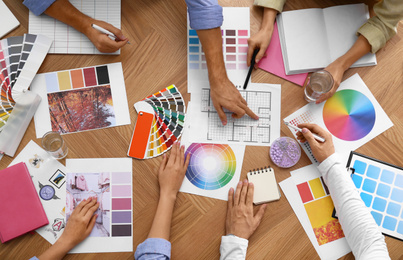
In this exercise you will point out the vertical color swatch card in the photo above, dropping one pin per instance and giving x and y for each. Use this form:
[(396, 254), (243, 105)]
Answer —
[(273, 62), (67, 39), (20, 59), (160, 122), (309, 197), (213, 169), (110, 181), (352, 115), (81, 99), (235, 32), (206, 126), (381, 188), (49, 178)]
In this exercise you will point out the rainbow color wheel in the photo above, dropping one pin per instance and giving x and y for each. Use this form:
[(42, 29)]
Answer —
[(211, 166), (349, 115)]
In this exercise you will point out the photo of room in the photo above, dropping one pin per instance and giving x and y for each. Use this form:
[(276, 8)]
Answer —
[(83, 186)]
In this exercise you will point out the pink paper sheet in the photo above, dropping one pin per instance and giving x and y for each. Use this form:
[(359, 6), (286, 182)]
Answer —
[(273, 62)]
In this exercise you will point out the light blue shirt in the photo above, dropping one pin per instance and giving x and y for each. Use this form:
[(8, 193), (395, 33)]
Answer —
[(203, 14), (153, 248)]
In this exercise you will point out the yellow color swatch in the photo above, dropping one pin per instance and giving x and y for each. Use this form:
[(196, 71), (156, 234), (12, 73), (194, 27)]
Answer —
[(320, 211), (317, 188), (64, 80)]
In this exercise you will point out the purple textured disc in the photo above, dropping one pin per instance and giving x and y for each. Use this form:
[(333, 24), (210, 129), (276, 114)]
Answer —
[(285, 152)]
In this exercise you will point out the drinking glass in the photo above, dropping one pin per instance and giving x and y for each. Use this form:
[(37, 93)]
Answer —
[(320, 83), (54, 144)]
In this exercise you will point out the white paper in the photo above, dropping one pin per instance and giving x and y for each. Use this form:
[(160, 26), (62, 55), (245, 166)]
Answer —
[(205, 125), (213, 159), (121, 115), (67, 39), (8, 22), (313, 113), (110, 166), (47, 171), (330, 250)]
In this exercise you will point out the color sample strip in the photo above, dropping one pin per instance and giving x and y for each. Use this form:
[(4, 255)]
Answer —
[(121, 230), (77, 78), (121, 217), (90, 77), (102, 75), (121, 204), (121, 193), (121, 177), (305, 192), (64, 80), (52, 82)]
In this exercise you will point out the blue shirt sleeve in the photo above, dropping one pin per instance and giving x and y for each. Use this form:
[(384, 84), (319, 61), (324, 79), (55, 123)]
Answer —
[(38, 6), (153, 248), (204, 14), (34, 258)]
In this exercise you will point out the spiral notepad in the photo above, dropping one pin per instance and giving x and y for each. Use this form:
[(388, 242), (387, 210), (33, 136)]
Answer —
[(266, 188)]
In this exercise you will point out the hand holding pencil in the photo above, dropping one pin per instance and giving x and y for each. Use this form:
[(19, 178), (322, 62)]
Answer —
[(106, 37)]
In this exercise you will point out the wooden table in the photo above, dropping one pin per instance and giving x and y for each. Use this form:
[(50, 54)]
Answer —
[(155, 59)]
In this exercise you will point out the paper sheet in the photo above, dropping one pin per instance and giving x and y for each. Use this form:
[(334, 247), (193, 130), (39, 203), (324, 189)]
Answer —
[(110, 179), (314, 213), (8, 22), (67, 39), (81, 99), (49, 178), (205, 126), (353, 116)]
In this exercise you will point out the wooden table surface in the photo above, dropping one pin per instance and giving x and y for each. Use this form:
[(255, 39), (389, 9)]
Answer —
[(155, 59)]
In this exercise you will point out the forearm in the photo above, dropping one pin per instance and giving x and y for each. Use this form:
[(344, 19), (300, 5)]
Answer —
[(269, 16), (161, 226), (359, 49), (56, 251), (70, 15), (211, 41)]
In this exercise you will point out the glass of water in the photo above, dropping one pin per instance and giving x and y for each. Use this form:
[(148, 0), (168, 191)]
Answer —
[(320, 83), (54, 144)]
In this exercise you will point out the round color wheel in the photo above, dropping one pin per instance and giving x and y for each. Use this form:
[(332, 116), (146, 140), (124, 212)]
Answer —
[(349, 115), (211, 166)]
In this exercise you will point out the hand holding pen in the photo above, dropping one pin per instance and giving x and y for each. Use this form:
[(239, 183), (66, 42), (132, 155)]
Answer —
[(105, 37)]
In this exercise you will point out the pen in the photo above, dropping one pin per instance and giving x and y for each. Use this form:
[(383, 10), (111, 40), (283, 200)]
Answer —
[(102, 30), (317, 137), (252, 64)]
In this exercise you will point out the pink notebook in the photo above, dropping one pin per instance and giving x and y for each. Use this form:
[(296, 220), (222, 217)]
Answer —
[(21, 210), (273, 62)]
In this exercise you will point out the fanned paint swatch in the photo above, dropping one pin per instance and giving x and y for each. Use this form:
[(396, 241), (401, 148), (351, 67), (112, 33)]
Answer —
[(159, 125)]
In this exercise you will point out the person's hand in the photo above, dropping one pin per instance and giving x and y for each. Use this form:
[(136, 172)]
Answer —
[(320, 150), (101, 41), (80, 223), (172, 171), (240, 220), (261, 41), (225, 95), (337, 72)]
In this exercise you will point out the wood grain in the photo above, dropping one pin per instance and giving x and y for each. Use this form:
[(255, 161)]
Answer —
[(155, 59)]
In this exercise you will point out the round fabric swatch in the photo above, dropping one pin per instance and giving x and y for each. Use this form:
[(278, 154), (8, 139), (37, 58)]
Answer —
[(349, 115), (211, 166)]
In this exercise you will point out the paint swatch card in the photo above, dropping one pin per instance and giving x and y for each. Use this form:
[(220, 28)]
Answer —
[(81, 99), (235, 32), (205, 125), (352, 115), (67, 39), (159, 125), (213, 169), (273, 61), (309, 197), (381, 188), (110, 181), (49, 178)]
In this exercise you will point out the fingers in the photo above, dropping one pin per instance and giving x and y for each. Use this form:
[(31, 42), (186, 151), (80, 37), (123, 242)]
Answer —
[(259, 215), (91, 224), (163, 163), (238, 193), (260, 54), (314, 128), (182, 153), (172, 156), (230, 200), (92, 210), (221, 114), (250, 113), (80, 206), (251, 49), (249, 196), (87, 207), (187, 161), (118, 33), (242, 199)]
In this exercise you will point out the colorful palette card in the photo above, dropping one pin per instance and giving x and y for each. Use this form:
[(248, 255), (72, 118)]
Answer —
[(49, 178), (213, 169), (205, 125), (20, 59), (235, 33), (273, 61), (309, 197), (381, 188), (352, 115), (160, 122), (110, 180), (81, 99), (67, 39)]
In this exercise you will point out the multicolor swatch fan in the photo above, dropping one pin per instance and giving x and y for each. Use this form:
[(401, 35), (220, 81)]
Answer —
[(159, 124)]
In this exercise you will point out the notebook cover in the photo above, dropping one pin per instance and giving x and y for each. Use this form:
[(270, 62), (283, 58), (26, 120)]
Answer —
[(20, 208), (266, 188)]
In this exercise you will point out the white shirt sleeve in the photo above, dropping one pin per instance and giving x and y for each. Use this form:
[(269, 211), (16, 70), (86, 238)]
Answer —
[(362, 233), (233, 247)]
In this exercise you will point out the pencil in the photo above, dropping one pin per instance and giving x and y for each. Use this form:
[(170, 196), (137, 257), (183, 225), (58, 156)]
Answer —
[(317, 137), (252, 64), (102, 30)]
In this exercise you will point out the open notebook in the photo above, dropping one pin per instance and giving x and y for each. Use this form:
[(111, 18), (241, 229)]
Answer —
[(313, 38)]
